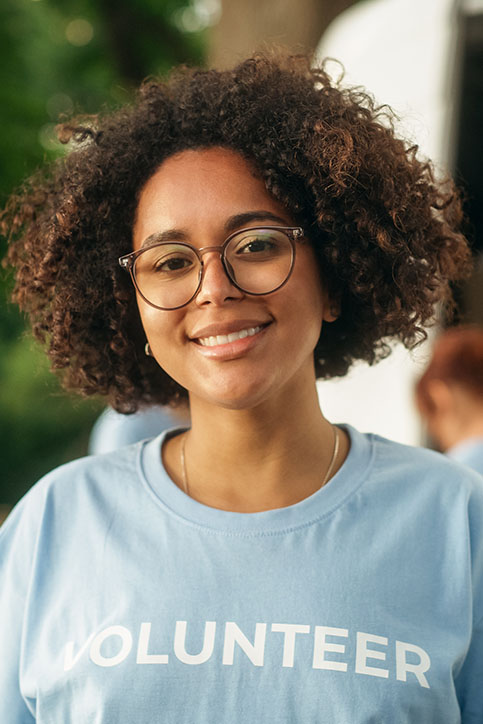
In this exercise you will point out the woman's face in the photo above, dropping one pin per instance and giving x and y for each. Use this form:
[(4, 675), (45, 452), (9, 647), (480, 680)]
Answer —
[(196, 195)]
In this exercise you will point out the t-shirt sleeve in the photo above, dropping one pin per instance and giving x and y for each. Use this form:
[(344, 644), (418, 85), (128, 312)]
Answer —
[(17, 545)]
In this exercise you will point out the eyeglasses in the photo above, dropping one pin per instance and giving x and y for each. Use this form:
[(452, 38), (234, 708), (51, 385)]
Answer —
[(259, 260)]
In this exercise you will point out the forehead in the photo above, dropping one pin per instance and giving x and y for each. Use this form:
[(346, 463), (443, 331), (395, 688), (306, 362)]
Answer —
[(200, 188)]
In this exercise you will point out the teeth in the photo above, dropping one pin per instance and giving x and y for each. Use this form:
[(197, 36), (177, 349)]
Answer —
[(226, 338)]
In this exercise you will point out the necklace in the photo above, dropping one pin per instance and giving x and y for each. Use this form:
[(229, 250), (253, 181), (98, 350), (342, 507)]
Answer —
[(183, 467), (327, 474), (334, 455)]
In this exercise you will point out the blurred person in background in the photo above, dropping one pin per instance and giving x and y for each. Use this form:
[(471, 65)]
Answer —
[(113, 430), (230, 238), (449, 395)]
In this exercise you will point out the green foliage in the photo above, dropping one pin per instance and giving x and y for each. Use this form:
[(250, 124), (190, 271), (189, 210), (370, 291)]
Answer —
[(57, 58), (40, 426)]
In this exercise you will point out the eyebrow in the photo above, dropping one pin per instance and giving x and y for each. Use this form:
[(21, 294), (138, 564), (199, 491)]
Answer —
[(238, 221)]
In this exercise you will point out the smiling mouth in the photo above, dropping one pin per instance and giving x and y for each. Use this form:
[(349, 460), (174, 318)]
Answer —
[(227, 338)]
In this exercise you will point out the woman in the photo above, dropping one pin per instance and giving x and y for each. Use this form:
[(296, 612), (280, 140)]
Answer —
[(263, 565)]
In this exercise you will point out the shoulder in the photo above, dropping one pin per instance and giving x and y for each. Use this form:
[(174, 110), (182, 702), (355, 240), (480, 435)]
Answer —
[(417, 474), (70, 490), (92, 471), (420, 463), (425, 496)]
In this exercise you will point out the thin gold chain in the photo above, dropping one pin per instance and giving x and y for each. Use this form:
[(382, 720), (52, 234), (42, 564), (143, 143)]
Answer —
[(334, 456), (183, 466)]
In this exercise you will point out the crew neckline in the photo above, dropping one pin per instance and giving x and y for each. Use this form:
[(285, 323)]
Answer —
[(315, 507)]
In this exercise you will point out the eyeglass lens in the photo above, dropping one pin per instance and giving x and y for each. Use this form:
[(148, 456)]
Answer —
[(258, 261)]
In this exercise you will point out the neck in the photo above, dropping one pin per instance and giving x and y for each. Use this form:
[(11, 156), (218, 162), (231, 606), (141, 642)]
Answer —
[(461, 420), (249, 460), (472, 429)]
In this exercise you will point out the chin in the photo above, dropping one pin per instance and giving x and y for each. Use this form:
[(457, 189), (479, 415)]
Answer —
[(235, 397)]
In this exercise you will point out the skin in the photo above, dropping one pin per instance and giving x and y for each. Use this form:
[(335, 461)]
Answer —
[(256, 420), (455, 413)]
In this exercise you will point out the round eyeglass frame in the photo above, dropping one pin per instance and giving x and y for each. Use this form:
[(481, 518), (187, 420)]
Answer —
[(293, 234)]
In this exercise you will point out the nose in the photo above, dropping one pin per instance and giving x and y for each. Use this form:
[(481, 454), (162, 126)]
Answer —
[(216, 287)]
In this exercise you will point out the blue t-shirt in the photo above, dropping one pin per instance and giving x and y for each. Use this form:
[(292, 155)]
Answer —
[(123, 601), (469, 452)]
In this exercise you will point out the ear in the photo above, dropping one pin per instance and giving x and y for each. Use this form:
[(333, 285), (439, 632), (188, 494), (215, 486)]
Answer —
[(440, 397), (331, 310)]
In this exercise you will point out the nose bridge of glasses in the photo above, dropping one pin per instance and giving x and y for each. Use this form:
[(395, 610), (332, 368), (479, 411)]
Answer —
[(218, 250), (207, 249)]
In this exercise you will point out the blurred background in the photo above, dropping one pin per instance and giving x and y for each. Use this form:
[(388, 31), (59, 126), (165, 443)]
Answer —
[(424, 58)]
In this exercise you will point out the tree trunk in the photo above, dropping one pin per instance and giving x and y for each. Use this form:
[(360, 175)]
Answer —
[(249, 25)]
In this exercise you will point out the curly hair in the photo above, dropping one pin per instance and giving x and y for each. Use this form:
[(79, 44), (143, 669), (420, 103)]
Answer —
[(384, 228)]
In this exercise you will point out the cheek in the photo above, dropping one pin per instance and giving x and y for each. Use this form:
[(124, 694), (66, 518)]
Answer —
[(313, 300), (315, 322), (305, 320), (147, 315), (160, 328)]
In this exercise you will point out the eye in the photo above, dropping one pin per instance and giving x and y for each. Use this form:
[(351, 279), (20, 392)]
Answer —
[(256, 246), (167, 261), (173, 264), (259, 246)]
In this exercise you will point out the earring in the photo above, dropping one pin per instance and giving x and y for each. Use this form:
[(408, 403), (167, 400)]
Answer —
[(147, 350)]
